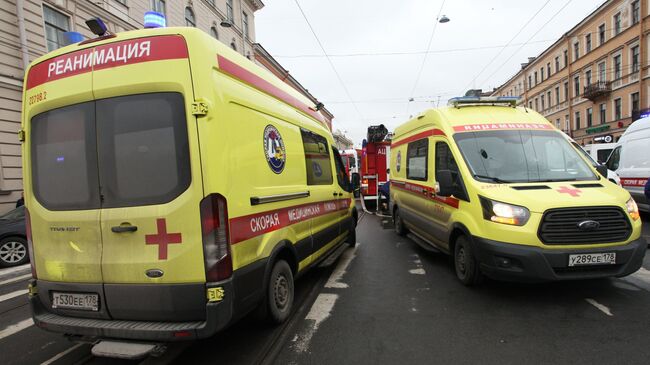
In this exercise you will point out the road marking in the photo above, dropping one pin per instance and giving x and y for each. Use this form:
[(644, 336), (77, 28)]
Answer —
[(61, 354), (320, 311), (5, 272), (334, 280), (14, 328), (600, 307), (12, 295), (418, 263), (16, 279)]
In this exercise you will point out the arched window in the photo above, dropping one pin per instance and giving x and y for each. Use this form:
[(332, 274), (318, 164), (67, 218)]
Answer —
[(214, 33), (189, 17)]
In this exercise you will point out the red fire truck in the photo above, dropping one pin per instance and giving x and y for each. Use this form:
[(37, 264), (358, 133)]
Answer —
[(374, 166)]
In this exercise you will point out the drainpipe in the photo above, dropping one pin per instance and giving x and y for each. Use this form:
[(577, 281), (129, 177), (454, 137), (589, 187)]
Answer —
[(22, 34)]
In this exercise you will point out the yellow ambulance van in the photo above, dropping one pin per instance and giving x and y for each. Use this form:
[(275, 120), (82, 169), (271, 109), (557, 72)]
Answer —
[(172, 186), (501, 190)]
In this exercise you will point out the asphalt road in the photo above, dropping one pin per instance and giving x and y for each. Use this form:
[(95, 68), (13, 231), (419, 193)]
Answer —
[(389, 301)]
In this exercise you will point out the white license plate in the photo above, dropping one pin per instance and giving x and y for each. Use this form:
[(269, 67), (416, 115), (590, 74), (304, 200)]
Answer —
[(592, 259), (81, 301)]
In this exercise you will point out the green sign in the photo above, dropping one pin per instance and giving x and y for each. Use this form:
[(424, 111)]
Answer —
[(600, 128)]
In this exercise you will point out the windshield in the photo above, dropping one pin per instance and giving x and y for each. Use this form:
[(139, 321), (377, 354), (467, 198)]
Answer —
[(584, 153), (522, 156)]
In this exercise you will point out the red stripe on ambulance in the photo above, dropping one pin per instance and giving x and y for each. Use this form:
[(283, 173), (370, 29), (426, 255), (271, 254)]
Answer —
[(259, 83), (249, 226), (426, 192), (500, 126), (107, 56), (429, 133), (634, 181)]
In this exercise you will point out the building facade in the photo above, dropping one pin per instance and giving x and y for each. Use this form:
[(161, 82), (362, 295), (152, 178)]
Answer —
[(31, 28), (594, 81)]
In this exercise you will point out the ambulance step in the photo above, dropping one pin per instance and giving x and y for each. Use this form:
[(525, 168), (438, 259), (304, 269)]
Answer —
[(123, 350), (334, 255), (422, 243)]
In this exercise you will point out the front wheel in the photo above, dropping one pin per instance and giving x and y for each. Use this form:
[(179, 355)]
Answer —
[(467, 268), (279, 294)]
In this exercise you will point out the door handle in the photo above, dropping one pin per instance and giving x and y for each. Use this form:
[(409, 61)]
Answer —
[(124, 228)]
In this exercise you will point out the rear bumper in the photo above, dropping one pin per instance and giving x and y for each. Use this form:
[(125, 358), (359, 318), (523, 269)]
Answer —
[(535, 264), (218, 315)]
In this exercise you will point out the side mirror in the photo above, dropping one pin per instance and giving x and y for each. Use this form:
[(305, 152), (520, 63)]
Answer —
[(356, 181), (445, 183), (602, 169)]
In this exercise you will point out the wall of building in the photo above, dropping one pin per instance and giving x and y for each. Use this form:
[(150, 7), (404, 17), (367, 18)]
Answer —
[(578, 55), (119, 16)]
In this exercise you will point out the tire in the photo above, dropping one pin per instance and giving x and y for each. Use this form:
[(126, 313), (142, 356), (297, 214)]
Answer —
[(278, 301), (400, 229), (467, 268), (13, 251), (352, 234)]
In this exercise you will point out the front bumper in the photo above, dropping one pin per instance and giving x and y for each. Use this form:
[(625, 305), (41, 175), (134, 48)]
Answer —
[(536, 264), (218, 315)]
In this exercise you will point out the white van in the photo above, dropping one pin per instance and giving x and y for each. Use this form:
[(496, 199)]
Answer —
[(599, 151), (631, 160)]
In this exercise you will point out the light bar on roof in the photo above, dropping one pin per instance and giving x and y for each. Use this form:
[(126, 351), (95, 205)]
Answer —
[(492, 100)]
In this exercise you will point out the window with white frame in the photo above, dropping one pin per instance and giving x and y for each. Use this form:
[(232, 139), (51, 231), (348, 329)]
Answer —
[(634, 99), (602, 72), (617, 23), (617, 108), (576, 50), (229, 11), (636, 11), (601, 34), (190, 21), (158, 6), (588, 43), (635, 58), (587, 77), (56, 24), (244, 21), (617, 67)]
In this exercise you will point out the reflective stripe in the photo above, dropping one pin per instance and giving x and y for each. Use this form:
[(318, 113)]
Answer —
[(426, 192)]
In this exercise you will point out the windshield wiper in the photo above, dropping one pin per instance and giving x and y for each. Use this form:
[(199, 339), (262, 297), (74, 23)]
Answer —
[(556, 180), (492, 178)]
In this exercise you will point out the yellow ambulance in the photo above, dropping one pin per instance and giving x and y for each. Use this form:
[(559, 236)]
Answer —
[(501, 190), (172, 186)]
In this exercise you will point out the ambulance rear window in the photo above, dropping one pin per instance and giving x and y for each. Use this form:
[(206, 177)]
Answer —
[(64, 164), (129, 150), (143, 149)]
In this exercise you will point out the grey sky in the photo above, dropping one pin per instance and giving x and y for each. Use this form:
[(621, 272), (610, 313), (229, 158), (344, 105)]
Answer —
[(380, 85)]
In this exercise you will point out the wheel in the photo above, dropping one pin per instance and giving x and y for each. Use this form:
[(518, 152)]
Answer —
[(13, 251), (400, 229), (371, 205), (352, 234), (279, 294), (467, 269)]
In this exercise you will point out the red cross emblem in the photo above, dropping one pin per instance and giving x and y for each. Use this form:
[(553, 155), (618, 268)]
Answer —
[(162, 238), (566, 190)]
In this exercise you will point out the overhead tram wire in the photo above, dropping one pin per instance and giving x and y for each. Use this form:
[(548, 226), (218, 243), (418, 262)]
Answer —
[(529, 39), (424, 59), (507, 44), (347, 92)]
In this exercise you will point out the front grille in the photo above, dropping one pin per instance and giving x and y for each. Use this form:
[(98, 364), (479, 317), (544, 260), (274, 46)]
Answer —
[(560, 226)]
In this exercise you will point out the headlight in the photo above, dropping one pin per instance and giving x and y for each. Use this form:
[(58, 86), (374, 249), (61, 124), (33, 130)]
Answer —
[(632, 209), (499, 212)]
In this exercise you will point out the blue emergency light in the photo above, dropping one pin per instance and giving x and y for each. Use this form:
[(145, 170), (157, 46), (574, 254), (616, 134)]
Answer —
[(72, 37), (154, 19)]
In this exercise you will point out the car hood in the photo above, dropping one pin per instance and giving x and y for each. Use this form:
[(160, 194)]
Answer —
[(539, 197)]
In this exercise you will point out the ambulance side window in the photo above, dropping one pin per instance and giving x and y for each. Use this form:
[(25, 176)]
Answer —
[(341, 176), (417, 160), (317, 158), (445, 161)]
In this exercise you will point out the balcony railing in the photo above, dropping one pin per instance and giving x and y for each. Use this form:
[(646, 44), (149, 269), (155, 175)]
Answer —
[(597, 89)]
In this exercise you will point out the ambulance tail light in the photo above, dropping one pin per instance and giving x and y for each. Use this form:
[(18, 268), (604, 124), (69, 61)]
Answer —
[(30, 246), (216, 243)]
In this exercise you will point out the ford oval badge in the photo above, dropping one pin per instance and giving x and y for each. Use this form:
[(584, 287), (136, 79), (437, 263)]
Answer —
[(154, 273), (588, 225)]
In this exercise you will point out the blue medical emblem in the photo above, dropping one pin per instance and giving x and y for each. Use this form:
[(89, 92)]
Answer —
[(274, 149)]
